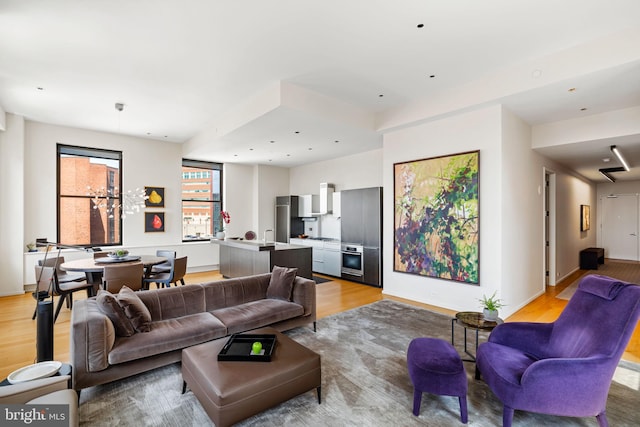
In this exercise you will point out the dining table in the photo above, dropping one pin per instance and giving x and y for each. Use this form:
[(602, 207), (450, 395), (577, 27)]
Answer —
[(94, 267)]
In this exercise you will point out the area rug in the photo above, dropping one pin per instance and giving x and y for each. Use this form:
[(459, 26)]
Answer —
[(627, 271), (364, 383), (319, 279)]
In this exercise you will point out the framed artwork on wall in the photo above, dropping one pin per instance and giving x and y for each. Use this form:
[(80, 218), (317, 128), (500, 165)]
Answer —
[(585, 217), (153, 222), (155, 197), (436, 217)]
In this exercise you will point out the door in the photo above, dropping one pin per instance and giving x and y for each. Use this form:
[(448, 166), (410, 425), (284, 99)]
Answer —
[(620, 226)]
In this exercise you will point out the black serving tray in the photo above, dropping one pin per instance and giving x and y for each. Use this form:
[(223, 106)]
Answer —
[(238, 348)]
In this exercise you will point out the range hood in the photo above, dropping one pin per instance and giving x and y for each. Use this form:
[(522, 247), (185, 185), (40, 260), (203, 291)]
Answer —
[(326, 199)]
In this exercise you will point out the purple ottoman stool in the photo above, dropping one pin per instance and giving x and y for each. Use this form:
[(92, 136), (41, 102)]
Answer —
[(435, 367)]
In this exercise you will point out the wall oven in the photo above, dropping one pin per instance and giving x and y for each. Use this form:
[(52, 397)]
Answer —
[(352, 264)]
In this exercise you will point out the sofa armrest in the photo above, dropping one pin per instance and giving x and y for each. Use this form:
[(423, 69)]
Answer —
[(304, 293), (24, 392), (92, 338)]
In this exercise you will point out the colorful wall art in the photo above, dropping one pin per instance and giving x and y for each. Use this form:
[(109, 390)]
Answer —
[(155, 197), (585, 217), (436, 217), (153, 222)]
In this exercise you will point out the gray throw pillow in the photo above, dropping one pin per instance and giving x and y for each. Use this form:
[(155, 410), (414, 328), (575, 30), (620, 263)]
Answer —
[(108, 304), (281, 283), (134, 308)]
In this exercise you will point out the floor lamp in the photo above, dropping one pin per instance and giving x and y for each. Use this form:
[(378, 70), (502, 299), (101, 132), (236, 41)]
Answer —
[(44, 308)]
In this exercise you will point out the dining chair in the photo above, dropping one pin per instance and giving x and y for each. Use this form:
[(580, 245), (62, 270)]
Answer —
[(177, 273), (165, 267), (116, 276), (48, 285), (63, 276)]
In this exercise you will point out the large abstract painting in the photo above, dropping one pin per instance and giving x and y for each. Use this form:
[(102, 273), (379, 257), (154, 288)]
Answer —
[(436, 218)]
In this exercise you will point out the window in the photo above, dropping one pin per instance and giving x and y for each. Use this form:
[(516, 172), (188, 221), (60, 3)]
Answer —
[(87, 176), (201, 200)]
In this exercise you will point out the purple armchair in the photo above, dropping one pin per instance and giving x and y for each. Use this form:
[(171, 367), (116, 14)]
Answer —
[(564, 367)]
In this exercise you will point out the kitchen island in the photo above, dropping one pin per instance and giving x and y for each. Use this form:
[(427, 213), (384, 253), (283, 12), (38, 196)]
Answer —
[(247, 257)]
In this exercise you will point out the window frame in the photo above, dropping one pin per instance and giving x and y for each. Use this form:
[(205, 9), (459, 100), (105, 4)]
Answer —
[(89, 152), (209, 167)]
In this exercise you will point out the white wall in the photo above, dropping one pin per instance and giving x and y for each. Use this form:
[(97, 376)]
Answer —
[(357, 171), (145, 163), (479, 130), (12, 208), (522, 276)]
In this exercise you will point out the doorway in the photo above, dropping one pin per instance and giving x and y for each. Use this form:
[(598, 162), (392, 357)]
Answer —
[(549, 226), (620, 226)]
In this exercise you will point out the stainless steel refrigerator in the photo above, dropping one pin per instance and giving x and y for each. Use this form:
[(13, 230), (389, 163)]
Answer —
[(288, 224)]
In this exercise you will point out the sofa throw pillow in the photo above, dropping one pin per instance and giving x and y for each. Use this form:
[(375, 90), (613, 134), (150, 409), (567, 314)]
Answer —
[(281, 283), (108, 304), (134, 308)]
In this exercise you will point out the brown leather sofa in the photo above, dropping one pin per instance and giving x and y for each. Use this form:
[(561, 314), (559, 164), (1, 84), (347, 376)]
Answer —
[(181, 317)]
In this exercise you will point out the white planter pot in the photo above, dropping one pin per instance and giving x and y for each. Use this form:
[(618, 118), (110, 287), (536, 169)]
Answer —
[(490, 315), (220, 235)]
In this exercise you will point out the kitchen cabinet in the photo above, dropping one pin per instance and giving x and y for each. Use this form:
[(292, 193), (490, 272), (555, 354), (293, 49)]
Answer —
[(308, 204), (317, 256), (361, 224), (332, 258), (351, 224), (371, 260), (336, 204)]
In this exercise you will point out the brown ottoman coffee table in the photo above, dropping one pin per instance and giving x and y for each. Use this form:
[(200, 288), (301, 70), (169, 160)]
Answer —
[(230, 391)]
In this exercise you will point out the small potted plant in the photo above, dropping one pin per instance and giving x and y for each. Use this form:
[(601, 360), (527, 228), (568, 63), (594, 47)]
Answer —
[(32, 247), (490, 307)]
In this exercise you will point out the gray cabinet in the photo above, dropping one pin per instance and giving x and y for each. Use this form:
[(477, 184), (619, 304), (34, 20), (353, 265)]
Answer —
[(372, 266), (361, 224), (351, 225)]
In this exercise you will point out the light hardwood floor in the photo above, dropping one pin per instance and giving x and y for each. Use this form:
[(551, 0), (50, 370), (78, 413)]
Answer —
[(19, 331)]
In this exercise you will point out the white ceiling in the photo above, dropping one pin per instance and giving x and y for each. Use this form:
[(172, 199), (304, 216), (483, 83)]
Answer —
[(183, 67)]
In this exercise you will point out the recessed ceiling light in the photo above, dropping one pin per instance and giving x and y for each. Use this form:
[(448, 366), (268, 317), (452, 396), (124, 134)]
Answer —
[(297, 131), (250, 149), (583, 109), (380, 96), (310, 148), (166, 136), (288, 155), (148, 133), (420, 25), (573, 89), (40, 88), (432, 76), (606, 159), (536, 74), (235, 155), (272, 142), (336, 141), (270, 160)]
